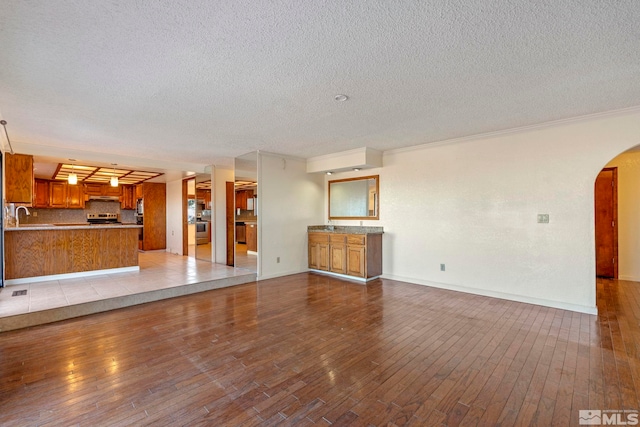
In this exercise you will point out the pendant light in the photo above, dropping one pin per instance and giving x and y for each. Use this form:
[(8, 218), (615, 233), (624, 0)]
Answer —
[(72, 178), (114, 178)]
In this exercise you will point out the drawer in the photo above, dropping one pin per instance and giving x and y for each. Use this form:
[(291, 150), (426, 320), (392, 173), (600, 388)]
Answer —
[(356, 239), (318, 237), (338, 238)]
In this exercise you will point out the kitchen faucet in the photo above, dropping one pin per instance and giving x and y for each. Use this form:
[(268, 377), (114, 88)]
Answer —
[(26, 211)]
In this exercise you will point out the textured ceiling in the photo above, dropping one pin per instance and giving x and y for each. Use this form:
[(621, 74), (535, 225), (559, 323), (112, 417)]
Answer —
[(200, 81)]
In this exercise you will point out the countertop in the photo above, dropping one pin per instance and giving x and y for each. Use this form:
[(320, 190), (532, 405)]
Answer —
[(344, 229), (24, 227)]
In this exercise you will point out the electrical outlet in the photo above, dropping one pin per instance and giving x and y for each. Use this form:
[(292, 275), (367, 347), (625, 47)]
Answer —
[(278, 260), (35, 214), (543, 218), (442, 267), (172, 232)]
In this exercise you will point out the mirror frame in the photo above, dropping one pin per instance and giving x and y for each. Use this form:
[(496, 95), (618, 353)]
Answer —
[(376, 208)]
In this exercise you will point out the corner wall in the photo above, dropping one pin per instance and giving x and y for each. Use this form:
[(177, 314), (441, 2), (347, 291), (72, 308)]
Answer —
[(289, 200), (174, 217)]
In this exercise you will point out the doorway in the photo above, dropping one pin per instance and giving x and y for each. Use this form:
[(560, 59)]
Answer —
[(606, 223)]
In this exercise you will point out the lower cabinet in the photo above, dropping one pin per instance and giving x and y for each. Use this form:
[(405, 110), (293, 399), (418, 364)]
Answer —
[(358, 255), (252, 237)]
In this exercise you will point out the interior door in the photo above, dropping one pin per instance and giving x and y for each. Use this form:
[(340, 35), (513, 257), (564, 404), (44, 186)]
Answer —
[(606, 215)]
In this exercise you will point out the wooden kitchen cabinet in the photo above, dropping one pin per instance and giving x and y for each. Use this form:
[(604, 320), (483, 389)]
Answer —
[(75, 197), (127, 199), (252, 237), (242, 199), (41, 193), (357, 255), (63, 195), (241, 233), (139, 191), (97, 189), (19, 178)]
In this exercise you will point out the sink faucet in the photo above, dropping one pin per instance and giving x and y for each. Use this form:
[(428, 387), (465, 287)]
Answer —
[(26, 211)]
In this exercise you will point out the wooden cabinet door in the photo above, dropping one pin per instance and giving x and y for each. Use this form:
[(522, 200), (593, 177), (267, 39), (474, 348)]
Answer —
[(58, 194), (19, 178), (92, 189), (41, 194), (241, 200), (108, 190), (139, 192), (323, 256), (356, 256), (313, 255), (75, 197), (241, 233), (252, 237), (207, 199), (126, 199), (338, 258)]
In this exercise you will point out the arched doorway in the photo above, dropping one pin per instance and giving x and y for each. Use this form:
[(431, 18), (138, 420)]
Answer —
[(617, 217)]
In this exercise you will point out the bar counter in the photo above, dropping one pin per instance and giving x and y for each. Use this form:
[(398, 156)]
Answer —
[(40, 252)]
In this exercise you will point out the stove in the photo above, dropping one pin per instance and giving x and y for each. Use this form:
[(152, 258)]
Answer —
[(102, 218)]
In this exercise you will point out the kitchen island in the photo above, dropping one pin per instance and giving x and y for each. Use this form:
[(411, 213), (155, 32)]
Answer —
[(37, 252)]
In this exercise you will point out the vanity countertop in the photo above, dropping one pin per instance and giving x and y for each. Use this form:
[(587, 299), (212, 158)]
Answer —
[(344, 229)]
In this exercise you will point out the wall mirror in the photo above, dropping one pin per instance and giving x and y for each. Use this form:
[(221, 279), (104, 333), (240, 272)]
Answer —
[(354, 198)]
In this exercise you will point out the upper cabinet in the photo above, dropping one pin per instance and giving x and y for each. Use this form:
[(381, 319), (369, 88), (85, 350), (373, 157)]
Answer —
[(97, 189), (63, 195), (242, 199), (19, 178)]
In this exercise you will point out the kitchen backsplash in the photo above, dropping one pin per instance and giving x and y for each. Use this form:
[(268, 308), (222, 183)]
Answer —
[(61, 216), (246, 216)]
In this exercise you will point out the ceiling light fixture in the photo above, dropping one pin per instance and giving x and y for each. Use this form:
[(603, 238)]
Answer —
[(340, 98), (72, 178), (114, 178), (356, 169), (329, 173)]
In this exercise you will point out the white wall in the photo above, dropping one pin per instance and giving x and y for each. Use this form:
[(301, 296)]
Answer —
[(628, 165), (220, 176), (174, 217), (472, 205), (289, 200)]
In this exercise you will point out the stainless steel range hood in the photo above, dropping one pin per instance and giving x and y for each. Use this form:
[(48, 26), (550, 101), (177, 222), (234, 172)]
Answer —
[(105, 198)]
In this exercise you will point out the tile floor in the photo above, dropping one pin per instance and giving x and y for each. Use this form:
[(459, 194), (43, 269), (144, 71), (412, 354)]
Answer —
[(158, 270)]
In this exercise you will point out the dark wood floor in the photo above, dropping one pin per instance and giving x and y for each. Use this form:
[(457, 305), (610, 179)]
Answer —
[(308, 349)]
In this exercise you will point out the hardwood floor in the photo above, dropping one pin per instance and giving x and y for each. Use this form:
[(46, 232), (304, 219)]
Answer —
[(315, 350)]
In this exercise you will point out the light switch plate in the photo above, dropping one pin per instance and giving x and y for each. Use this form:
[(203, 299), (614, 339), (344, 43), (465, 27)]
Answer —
[(543, 218)]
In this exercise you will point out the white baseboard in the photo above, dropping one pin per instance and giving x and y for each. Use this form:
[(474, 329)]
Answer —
[(501, 295), (629, 278)]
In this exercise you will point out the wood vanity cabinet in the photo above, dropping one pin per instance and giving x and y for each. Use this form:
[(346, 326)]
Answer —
[(19, 178), (319, 251), (357, 255)]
